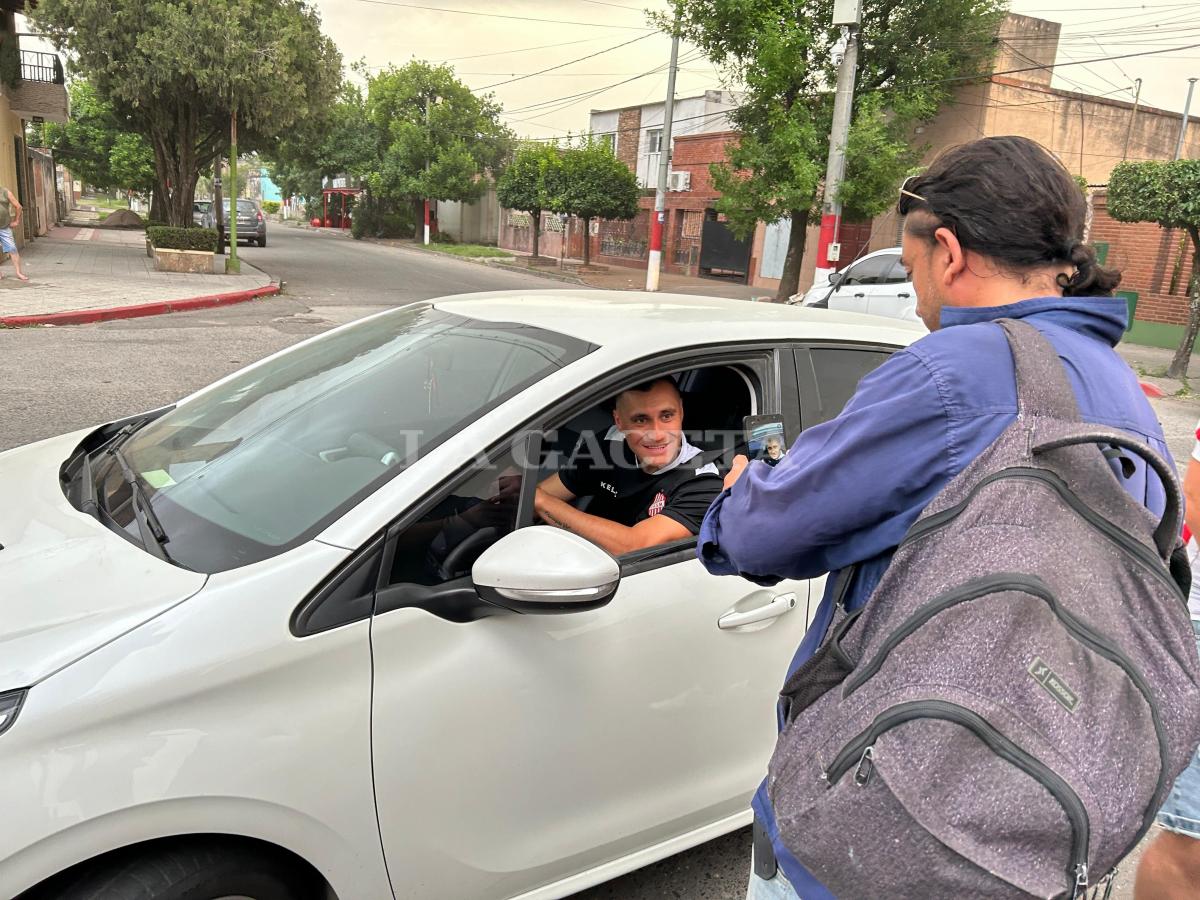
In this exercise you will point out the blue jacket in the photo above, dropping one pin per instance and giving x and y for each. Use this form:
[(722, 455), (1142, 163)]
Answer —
[(850, 488)]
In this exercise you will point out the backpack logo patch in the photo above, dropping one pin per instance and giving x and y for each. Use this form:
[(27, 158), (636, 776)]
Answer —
[(1053, 685)]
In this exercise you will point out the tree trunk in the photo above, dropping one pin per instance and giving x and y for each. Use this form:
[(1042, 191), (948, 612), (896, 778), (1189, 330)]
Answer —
[(537, 227), (587, 240), (1183, 355), (158, 212), (789, 283)]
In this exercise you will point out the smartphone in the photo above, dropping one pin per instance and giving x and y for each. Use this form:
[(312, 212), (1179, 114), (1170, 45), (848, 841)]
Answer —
[(764, 438)]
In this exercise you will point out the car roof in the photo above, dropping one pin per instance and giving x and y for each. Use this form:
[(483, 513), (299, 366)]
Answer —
[(661, 321)]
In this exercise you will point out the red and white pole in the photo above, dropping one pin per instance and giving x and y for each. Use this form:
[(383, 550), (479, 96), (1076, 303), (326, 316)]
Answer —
[(847, 14), (654, 264), (427, 220)]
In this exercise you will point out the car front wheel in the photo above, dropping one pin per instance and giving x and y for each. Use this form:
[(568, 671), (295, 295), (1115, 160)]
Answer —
[(262, 241), (202, 871)]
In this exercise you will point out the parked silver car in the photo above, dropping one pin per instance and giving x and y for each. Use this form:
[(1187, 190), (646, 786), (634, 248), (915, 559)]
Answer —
[(251, 223), (200, 210)]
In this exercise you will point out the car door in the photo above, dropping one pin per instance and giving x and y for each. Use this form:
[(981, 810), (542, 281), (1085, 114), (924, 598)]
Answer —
[(515, 751), (893, 296), (854, 291)]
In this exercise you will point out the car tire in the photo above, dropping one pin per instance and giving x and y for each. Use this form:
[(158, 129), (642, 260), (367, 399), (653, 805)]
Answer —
[(262, 241), (193, 871)]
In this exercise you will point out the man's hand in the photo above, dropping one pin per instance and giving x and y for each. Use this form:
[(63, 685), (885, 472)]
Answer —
[(735, 471), (614, 537)]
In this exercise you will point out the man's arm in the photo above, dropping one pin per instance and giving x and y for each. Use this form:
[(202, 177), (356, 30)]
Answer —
[(612, 536), (1191, 497), (555, 488), (15, 204), (840, 494)]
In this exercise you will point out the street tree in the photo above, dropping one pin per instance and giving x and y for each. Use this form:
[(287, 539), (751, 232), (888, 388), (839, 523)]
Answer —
[(526, 181), (182, 72), (1168, 194), (592, 183), (339, 141), (98, 145), (437, 139), (912, 55)]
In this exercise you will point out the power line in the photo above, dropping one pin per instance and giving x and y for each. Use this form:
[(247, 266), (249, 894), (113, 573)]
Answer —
[(472, 12), (570, 62), (524, 49)]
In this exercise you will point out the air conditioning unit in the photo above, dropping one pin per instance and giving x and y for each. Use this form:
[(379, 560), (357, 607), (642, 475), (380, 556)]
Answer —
[(679, 181)]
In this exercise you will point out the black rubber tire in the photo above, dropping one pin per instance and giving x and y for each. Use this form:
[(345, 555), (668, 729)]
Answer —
[(191, 871), (262, 241)]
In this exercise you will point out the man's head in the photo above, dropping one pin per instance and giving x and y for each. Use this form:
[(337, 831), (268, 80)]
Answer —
[(996, 221), (774, 448), (651, 417)]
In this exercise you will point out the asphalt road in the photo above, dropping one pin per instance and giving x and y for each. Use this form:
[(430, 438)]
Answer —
[(61, 379)]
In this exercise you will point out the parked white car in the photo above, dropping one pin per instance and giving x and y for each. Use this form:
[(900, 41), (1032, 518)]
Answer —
[(876, 284), (292, 637)]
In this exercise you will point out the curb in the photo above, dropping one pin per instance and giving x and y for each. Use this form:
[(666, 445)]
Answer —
[(88, 316), (553, 276)]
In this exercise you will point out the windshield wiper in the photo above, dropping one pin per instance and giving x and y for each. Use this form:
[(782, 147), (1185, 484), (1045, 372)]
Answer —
[(149, 527)]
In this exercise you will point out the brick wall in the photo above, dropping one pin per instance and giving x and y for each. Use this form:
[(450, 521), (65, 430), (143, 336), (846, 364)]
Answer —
[(1147, 256), (629, 136)]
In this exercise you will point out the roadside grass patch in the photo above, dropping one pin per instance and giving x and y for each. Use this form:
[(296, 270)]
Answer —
[(474, 251)]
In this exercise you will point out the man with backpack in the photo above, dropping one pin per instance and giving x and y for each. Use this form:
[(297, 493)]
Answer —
[(993, 232), (10, 218)]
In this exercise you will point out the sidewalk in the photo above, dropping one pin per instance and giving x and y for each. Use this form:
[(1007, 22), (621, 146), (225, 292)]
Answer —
[(80, 274)]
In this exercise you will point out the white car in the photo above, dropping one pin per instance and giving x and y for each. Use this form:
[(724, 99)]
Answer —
[(876, 284), (296, 636)]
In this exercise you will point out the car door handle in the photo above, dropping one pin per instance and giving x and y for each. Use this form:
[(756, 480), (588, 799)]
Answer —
[(905, 295), (776, 607), (860, 295)]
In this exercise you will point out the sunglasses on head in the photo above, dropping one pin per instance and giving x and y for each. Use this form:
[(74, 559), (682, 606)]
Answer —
[(904, 205)]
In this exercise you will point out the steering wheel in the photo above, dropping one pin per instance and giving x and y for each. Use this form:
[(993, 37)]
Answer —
[(476, 543)]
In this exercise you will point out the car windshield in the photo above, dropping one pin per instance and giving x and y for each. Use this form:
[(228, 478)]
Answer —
[(264, 461), (245, 207)]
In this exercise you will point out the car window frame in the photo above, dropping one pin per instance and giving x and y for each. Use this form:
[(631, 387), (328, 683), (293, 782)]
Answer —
[(774, 369), (808, 391), (851, 280)]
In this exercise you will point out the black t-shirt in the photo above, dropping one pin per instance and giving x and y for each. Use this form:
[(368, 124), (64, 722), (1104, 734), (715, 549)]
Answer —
[(607, 471)]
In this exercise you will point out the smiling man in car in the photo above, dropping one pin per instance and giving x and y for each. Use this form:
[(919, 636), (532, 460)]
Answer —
[(642, 477)]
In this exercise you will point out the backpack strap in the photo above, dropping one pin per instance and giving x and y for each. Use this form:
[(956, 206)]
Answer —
[(1042, 386)]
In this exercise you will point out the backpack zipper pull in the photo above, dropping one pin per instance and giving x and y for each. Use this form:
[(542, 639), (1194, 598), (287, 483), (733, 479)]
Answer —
[(1081, 881), (866, 766)]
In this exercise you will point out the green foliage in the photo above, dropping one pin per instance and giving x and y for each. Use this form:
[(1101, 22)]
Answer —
[(270, 206), (99, 146), (442, 237), (179, 71), (590, 182), (436, 138), (472, 251), (169, 238), (10, 60), (1167, 193), (781, 51), (374, 219), (523, 183)]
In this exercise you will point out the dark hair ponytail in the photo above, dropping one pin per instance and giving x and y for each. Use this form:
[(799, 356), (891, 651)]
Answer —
[(1090, 278), (1007, 198)]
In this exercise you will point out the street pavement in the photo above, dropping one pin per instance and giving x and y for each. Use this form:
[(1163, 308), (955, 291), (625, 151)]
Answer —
[(75, 268), (63, 378)]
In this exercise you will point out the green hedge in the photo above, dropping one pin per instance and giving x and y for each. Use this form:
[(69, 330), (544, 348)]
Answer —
[(166, 238), (270, 206)]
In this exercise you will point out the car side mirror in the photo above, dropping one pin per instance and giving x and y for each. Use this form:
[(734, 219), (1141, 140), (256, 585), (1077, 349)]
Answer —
[(543, 570), (836, 278)]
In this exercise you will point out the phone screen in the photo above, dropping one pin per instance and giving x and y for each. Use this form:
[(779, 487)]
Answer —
[(764, 438)]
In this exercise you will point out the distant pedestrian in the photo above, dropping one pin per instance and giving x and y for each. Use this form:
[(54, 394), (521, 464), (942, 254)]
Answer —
[(10, 218), (1170, 866)]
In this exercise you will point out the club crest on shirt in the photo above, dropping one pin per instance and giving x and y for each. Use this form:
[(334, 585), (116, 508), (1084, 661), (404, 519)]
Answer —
[(660, 500)]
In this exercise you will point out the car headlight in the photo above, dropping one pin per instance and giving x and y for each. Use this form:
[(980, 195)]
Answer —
[(10, 705)]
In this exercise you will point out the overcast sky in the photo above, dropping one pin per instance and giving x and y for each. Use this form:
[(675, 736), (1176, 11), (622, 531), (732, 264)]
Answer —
[(491, 41)]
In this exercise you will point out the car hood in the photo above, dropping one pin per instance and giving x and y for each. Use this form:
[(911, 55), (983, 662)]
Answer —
[(67, 584)]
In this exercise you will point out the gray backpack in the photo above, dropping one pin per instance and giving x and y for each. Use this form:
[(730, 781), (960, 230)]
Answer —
[(1007, 713)]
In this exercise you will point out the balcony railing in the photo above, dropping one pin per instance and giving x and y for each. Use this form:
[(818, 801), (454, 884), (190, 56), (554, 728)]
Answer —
[(42, 67)]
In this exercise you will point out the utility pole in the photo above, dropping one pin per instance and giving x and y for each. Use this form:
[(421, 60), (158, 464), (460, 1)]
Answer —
[(1133, 115), (654, 265), (233, 265), (1187, 106), (847, 14), (427, 154)]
